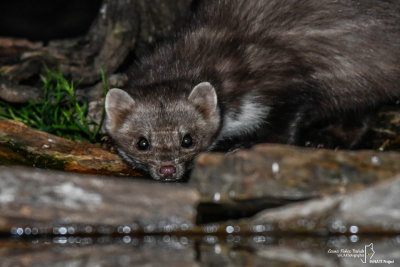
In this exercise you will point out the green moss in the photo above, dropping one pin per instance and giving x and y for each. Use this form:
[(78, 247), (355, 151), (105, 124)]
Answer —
[(23, 156), (59, 112)]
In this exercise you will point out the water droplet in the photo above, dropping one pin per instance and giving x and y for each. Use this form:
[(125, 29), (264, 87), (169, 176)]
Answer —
[(20, 231), (229, 229), (275, 170), (258, 228), (353, 229), (210, 228), (217, 249), (45, 146), (149, 228), (184, 227), (217, 197), (62, 230), (71, 230), (126, 229), (375, 160), (28, 231), (51, 141), (88, 229)]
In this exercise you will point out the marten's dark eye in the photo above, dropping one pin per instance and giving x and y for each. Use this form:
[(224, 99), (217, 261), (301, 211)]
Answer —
[(143, 144), (187, 141)]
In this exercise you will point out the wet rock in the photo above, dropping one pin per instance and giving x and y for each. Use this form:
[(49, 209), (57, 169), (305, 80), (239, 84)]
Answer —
[(371, 210), (21, 145), (35, 201), (289, 173)]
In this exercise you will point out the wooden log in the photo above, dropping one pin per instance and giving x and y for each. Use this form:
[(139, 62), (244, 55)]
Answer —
[(289, 173), (120, 27), (21, 145), (13, 46), (16, 93), (52, 202), (385, 134)]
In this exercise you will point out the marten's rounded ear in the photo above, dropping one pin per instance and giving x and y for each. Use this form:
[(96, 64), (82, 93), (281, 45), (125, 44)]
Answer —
[(204, 97), (118, 103)]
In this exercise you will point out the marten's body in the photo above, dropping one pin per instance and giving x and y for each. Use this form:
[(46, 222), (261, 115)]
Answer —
[(255, 68)]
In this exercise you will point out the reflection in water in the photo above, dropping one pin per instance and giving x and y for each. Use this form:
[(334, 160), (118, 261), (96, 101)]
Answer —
[(202, 250)]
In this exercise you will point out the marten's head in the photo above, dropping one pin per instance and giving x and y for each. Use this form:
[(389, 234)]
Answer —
[(162, 133)]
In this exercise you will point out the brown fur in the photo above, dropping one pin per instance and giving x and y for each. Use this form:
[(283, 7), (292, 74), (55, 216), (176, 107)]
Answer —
[(276, 67)]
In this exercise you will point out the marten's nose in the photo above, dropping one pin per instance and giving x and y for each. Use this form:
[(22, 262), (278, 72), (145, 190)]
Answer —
[(167, 170)]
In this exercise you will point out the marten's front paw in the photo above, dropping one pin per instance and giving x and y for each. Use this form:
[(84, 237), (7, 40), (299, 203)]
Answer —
[(108, 144)]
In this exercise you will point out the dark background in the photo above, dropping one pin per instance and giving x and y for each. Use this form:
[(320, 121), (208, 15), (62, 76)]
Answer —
[(46, 19)]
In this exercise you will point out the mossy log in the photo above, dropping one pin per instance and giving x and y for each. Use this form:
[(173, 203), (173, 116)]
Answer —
[(21, 145)]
